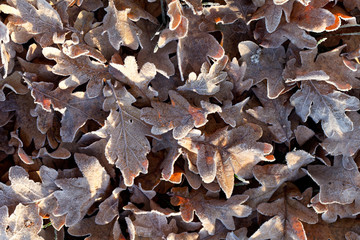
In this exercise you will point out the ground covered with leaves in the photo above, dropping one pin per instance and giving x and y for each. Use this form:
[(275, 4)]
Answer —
[(172, 119)]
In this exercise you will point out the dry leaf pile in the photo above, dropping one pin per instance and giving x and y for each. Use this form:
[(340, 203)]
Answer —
[(154, 119)]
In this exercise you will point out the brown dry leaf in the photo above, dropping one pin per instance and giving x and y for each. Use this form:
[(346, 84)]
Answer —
[(180, 116), (208, 210), (272, 229), (207, 82), (346, 144), (24, 190), (227, 152), (337, 184), (290, 206), (264, 63), (127, 144), (320, 100), (24, 223), (129, 74), (195, 41), (80, 69), (274, 113), (78, 194), (150, 225), (76, 107), (332, 210), (284, 32), (312, 17), (88, 227), (14, 83), (230, 12), (22, 104), (303, 134), (109, 208), (120, 29), (330, 63), (336, 230), (272, 14), (149, 54), (35, 17), (351, 4)]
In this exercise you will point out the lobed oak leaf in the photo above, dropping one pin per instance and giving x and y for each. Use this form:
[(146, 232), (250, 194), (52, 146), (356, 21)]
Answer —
[(346, 144), (234, 115), (272, 229), (227, 152), (312, 17), (274, 113), (138, 80), (148, 53), (88, 227), (327, 63), (136, 10), (35, 17), (76, 107), (127, 145), (264, 63), (332, 210), (272, 13), (86, 190), (290, 206), (152, 225), (14, 83), (208, 210), (27, 124), (81, 70), (120, 29), (109, 208), (337, 184), (180, 116), (24, 223), (207, 82), (230, 12), (284, 32)]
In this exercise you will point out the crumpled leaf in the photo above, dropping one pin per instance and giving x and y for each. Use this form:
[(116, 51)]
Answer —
[(78, 194), (205, 208), (81, 70), (180, 116), (227, 152), (264, 63)]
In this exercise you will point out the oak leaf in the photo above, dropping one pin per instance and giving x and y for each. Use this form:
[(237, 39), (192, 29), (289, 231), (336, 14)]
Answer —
[(86, 190), (264, 63), (76, 107), (290, 206), (337, 184), (227, 152), (24, 223), (180, 116), (127, 145), (81, 70), (205, 208), (119, 28)]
